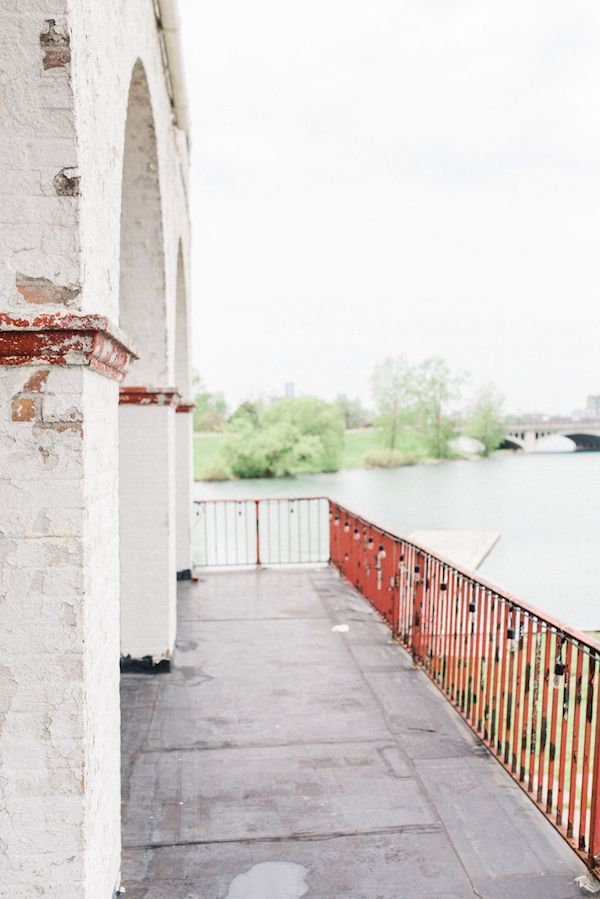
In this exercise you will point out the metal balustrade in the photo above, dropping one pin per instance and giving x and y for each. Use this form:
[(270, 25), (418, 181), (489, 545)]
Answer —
[(274, 531), (525, 683)]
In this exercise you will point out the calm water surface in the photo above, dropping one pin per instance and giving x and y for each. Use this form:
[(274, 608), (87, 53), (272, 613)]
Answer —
[(545, 506)]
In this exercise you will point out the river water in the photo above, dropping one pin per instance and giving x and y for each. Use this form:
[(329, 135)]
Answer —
[(546, 507)]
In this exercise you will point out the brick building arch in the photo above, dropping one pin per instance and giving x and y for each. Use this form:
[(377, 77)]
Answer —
[(148, 399), (76, 337)]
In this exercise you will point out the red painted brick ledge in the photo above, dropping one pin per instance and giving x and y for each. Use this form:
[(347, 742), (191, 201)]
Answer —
[(185, 407), (60, 338), (149, 396)]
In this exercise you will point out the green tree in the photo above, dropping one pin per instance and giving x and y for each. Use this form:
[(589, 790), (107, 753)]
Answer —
[(248, 411), (311, 417), (289, 436), (393, 388), (274, 450), (485, 421), (416, 398), (211, 409), (434, 388), (355, 415)]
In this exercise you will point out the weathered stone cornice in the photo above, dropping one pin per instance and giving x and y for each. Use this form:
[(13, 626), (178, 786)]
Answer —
[(149, 396), (60, 338), (186, 407)]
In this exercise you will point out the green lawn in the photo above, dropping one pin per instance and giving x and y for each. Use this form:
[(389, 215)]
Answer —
[(356, 446), (358, 443), (206, 452)]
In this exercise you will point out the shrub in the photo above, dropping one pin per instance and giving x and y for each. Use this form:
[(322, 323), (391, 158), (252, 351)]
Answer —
[(311, 417), (391, 458), (271, 451), (291, 436), (217, 470)]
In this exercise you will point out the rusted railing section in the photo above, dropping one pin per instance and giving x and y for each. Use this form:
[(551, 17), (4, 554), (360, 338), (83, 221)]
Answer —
[(527, 684), (274, 531)]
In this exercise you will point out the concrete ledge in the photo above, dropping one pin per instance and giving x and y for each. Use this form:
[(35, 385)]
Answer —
[(467, 549)]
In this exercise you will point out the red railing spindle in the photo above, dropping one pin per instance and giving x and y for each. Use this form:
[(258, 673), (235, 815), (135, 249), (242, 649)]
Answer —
[(594, 838), (587, 743), (418, 575)]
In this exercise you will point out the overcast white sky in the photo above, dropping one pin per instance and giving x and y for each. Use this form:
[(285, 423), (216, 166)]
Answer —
[(396, 176)]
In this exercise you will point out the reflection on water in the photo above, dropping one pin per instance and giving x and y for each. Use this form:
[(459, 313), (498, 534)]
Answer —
[(546, 507)]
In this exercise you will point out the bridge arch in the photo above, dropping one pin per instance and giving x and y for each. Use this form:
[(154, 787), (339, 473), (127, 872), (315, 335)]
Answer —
[(511, 443), (585, 442)]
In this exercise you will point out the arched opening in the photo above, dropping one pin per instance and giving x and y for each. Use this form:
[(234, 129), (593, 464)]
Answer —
[(508, 444), (142, 310), (183, 426), (147, 404), (585, 442)]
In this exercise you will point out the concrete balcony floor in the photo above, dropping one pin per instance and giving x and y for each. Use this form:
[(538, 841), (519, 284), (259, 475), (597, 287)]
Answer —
[(281, 759)]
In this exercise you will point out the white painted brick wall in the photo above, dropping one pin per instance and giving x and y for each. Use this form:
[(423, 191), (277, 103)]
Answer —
[(59, 716), (38, 230), (183, 478), (101, 656), (147, 527), (59, 543)]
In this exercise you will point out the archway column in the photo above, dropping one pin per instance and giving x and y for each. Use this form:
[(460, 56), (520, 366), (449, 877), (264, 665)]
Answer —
[(59, 640), (184, 436), (147, 525)]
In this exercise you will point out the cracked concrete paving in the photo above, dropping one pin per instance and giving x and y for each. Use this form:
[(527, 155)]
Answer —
[(281, 759)]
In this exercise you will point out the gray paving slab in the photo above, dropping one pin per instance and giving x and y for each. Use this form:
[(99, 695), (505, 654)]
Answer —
[(383, 866), (282, 791), (282, 758)]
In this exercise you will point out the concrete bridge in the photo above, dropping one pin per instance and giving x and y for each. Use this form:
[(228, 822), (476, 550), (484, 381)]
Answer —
[(525, 435)]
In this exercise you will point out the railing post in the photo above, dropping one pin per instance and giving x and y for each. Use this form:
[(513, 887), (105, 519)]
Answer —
[(594, 848), (418, 593), (257, 506)]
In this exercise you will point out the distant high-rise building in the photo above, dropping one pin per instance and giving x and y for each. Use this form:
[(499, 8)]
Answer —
[(592, 406), (290, 389)]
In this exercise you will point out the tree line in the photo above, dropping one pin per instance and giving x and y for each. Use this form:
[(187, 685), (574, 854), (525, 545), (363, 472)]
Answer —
[(423, 398), (416, 415)]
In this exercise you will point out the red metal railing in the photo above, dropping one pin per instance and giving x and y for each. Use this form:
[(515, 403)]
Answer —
[(525, 683)]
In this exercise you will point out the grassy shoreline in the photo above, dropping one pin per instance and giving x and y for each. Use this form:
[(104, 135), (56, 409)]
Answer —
[(357, 445)]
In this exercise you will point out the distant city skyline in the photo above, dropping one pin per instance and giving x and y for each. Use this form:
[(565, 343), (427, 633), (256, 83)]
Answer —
[(418, 178), (590, 410)]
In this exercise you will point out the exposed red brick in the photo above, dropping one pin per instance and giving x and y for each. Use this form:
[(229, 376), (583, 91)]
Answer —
[(56, 46), (23, 408), (185, 407), (42, 291), (36, 382), (61, 426)]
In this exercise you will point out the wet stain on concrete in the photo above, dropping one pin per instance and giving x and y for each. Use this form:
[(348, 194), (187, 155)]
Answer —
[(270, 880)]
